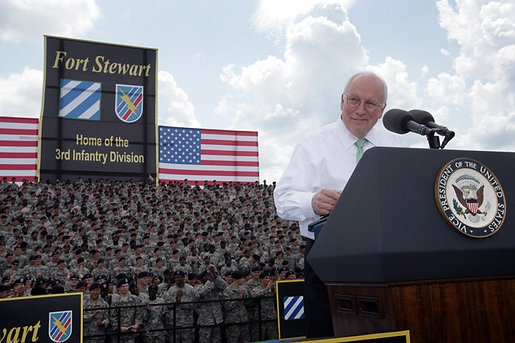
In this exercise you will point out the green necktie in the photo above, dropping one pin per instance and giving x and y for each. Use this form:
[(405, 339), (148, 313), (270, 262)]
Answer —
[(360, 143)]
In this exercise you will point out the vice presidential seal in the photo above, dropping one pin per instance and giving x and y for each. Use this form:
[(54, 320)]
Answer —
[(470, 198)]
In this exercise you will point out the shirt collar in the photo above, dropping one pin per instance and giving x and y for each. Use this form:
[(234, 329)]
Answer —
[(348, 139)]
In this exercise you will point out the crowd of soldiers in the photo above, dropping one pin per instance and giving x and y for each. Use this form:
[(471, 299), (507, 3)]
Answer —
[(174, 255)]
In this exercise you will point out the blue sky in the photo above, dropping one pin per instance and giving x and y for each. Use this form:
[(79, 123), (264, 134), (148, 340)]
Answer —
[(279, 66)]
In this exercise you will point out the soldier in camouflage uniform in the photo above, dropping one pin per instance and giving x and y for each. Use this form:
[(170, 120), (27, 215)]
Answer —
[(252, 304), (131, 317), (61, 273), (168, 280), (154, 317), (235, 312), (210, 313), (178, 294), (37, 270), (268, 312), (95, 322), (121, 268)]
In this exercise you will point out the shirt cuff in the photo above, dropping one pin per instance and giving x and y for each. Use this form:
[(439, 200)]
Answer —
[(307, 208)]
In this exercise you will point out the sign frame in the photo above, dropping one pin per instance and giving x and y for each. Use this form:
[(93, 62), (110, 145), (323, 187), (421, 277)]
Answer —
[(70, 144)]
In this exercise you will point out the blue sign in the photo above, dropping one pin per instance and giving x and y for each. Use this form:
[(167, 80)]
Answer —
[(293, 307), (79, 99)]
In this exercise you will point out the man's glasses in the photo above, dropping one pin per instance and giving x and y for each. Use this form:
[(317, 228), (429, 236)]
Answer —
[(354, 101)]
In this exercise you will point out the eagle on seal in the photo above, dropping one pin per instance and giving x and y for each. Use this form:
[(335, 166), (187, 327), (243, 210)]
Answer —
[(470, 200)]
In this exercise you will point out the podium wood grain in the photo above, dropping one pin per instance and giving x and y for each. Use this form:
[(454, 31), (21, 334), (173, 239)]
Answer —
[(459, 310)]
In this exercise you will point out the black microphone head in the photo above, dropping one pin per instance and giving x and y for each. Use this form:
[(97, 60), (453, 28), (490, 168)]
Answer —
[(422, 117), (395, 120)]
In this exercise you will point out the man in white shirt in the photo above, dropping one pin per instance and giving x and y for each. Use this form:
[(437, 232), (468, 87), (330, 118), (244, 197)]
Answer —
[(318, 171)]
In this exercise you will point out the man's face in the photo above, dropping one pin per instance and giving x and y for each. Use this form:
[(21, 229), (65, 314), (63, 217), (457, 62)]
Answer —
[(179, 280), (358, 119), (123, 289), (94, 294), (134, 290), (152, 294), (19, 288), (265, 281)]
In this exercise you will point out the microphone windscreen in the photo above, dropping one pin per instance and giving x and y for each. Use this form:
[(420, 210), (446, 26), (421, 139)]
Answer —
[(422, 117), (395, 120)]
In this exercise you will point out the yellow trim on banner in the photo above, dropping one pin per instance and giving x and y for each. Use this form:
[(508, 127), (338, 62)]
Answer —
[(277, 303), (404, 333)]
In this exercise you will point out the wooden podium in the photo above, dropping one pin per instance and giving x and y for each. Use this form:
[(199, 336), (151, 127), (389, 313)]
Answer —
[(391, 262)]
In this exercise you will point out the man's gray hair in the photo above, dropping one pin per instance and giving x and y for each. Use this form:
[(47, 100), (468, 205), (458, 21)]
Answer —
[(385, 88)]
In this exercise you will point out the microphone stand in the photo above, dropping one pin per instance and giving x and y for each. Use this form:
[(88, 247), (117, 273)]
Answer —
[(434, 141), (448, 136)]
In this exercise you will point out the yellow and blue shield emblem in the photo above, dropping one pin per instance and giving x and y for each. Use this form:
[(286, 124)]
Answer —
[(60, 326), (129, 102)]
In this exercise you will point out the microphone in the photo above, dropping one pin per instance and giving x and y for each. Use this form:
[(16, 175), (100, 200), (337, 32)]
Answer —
[(400, 121), (425, 118)]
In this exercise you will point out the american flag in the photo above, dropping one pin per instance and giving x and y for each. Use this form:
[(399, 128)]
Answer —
[(206, 154), (18, 148), (184, 153)]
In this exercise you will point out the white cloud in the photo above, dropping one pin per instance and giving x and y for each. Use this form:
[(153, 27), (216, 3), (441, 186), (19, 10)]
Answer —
[(21, 19), (21, 94), (424, 71), (401, 92), (173, 105), (483, 86), (447, 88), (274, 17)]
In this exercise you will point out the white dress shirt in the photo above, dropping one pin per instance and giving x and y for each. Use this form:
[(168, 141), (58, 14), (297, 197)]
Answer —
[(325, 158)]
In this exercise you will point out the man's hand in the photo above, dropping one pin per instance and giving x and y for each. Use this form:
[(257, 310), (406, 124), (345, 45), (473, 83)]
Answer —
[(324, 201), (212, 273)]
